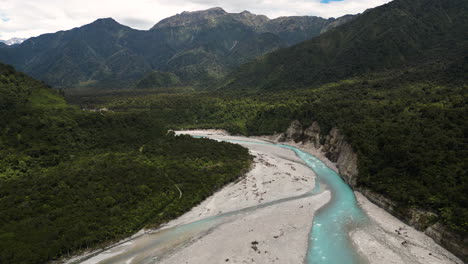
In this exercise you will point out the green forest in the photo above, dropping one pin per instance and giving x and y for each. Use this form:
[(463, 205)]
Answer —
[(72, 179), (408, 127)]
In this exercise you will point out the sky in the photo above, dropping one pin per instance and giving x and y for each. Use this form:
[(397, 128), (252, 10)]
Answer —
[(28, 18)]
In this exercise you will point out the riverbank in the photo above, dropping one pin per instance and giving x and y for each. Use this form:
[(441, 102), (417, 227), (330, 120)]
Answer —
[(272, 234), (265, 233), (277, 174), (387, 239)]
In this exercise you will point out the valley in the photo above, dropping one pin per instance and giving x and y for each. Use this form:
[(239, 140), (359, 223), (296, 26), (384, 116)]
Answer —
[(231, 137), (276, 205)]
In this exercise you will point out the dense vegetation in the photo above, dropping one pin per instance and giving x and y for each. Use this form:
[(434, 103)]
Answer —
[(156, 79), (394, 80), (408, 126), (71, 179)]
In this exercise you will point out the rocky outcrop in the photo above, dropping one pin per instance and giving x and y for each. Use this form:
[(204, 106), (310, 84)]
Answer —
[(451, 241), (335, 147), (294, 131), (312, 135), (338, 22), (338, 150), (380, 200)]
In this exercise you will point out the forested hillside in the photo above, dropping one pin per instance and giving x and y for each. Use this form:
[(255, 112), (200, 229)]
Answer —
[(401, 33), (71, 179), (408, 128)]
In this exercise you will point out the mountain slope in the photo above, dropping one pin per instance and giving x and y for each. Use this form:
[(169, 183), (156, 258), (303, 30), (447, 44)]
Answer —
[(156, 79), (90, 53), (398, 34), (71, 180), (198, 47), (296, 29)]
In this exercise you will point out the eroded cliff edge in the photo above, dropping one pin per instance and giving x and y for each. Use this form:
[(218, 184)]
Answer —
[(335, 147)]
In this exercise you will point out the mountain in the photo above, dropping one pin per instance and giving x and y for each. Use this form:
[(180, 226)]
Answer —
[(291, 30), (296, 29), (398, 34), (13, 41), (88, 54), (199, 47)]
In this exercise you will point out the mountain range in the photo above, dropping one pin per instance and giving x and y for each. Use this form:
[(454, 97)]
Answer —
[(403, 33), (13, 41), (198, 47)]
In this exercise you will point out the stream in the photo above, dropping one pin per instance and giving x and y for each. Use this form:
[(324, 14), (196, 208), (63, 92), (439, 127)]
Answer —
[(329, 241)]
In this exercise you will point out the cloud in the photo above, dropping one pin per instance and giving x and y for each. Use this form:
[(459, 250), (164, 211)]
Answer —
[(4, 17), (26, 18)]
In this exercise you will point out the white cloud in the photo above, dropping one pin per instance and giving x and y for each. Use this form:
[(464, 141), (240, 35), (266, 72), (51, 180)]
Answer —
[(26, 18)]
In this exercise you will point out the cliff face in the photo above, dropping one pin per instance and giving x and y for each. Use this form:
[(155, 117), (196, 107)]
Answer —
[(338, 150), (341, 152)]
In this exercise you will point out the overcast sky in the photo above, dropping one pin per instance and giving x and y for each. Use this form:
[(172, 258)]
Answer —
[(27, 18)]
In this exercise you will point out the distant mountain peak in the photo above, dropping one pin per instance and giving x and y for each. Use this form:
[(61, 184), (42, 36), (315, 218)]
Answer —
[(191, 17), (216, 9), (210, 11), (201, 17), (13, 41), (105, 21), (108, 24)]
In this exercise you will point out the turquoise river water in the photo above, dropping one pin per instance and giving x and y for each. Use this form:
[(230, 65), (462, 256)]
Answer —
[(329, 241)]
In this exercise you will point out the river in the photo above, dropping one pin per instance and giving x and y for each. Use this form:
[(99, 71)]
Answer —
[(329, 241)]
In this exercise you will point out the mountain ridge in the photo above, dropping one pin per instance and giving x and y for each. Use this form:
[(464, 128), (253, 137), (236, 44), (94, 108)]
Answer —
[(196, 46), (426, 32)]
